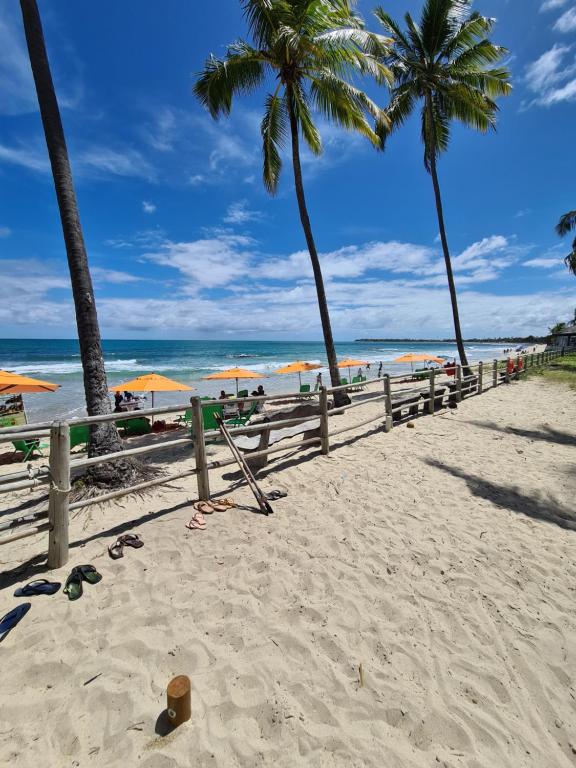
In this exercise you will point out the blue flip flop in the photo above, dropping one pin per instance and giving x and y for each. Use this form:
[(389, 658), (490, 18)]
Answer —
[(12, 618), (38, 587)]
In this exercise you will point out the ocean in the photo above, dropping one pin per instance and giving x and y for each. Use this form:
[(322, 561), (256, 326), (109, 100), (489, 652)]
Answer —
[(58, 361)]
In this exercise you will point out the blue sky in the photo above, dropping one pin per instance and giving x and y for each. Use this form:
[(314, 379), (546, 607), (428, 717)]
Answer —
[(183, 240)]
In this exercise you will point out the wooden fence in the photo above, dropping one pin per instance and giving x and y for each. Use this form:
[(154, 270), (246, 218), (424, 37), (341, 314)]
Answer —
[(62, 466)]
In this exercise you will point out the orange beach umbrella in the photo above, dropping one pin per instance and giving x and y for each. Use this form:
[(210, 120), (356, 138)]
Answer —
[(14, 384), (352, 364), (235, 373), (151, 382), (416, 357), (298, 367)]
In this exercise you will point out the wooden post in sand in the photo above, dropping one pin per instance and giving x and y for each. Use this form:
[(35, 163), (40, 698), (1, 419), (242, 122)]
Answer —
[(495, 373), (179, 705), (324, 426), (200, 449), (58, 499), (480, 377), (458, 383), (432, 392), (507, 374), (388, 401)]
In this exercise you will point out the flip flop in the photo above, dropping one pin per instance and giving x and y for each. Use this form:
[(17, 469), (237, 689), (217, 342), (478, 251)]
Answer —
[(73, 587), (12, 618), (116, 550), (205, 507), (39, 587), (227, 502), (274, 495), (131, 540), (197, 522), (89, 573)]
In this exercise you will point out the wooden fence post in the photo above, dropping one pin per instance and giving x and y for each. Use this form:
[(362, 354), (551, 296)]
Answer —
[(507, 375), (58, 499), (458, 383), (495, 373), (388, 424), (200, 449), (324, 426), (431, 401), (480, 377)]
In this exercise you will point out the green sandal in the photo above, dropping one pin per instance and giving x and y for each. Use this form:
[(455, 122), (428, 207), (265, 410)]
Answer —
[(89, 573), (73, 586)]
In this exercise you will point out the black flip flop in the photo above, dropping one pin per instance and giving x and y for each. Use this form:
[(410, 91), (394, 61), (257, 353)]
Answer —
[(89, 573), (38, 587), (12, 618), (275, 495), (116, 550), (73, 587)]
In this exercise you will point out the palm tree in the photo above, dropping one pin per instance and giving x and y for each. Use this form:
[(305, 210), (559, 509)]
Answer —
[(104, 438), (566, 224), (443, 63), (311, 49)]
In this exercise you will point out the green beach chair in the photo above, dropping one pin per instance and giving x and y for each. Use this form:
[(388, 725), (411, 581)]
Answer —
[(305, 389), (208, 420), (243, 419), (29, 448), (242, 393), (343, 382), (134, 427), (79, 435), (186, 419)]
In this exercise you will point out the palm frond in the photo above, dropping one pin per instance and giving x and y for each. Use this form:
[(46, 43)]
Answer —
[(222, 78), (570, 260), (305, 121), (261, 16), (435, 129), (398, 37), (274, 131), (469, 106), (566, 224)]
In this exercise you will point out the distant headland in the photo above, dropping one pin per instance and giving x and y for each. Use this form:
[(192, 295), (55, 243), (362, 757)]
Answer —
[(499, 340)]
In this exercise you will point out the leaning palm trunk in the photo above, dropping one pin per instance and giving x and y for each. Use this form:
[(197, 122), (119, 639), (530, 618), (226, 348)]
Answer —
[(104, 438), (446, 251), (318, 279)]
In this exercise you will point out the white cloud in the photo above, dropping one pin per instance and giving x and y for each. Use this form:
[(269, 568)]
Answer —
[(552, 78), (542, 262), (239, 213), (552, 5), (33, 159), (102, 275), (196, 180), (148, 207), (566, 22), (5, 232)]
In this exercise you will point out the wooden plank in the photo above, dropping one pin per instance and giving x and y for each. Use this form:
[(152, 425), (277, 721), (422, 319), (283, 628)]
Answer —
[(200, 449), (480, 377), (59, 495), (388, 423), (25, 534), (324, 428), (431, 401)]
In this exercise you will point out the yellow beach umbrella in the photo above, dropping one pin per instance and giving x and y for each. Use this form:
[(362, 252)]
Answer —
[(351, 364), (14, 384), (151, 382), (298, 367), (235, 373)]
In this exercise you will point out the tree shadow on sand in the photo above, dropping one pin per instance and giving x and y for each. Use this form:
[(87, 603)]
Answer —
[(535, 505), (545, 433)]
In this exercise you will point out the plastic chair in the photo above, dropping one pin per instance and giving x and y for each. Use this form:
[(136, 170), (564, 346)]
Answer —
[(79, 435), (133, 427), (242, 419), (29, 448)]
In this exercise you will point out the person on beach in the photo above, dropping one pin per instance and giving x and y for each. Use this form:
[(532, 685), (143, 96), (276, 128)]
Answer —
[(117, 402), (380, 370), (128, 396), (223, 395), (318, 382)]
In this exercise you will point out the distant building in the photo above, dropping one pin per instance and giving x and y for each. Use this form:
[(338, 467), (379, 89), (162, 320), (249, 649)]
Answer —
[(564, 339)]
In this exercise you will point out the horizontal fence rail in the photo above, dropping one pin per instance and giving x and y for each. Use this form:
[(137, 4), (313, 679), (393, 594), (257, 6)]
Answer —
[(431, 390)]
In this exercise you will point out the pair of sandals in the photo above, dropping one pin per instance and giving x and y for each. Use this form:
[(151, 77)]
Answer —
[(9, 621), (202, 508), (116, 550), (13, 617), (73, 587)]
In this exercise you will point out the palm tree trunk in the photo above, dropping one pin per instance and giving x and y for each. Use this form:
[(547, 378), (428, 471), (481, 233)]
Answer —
[(444, 241), (341, 398), (104, 438)]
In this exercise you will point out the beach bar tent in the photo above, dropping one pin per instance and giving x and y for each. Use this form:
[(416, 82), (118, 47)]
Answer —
[(352, 364), (151, 382), (298, 367), (234, 373), (14, 384)]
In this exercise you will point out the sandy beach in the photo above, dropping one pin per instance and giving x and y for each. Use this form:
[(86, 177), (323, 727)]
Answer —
[(440, 558)]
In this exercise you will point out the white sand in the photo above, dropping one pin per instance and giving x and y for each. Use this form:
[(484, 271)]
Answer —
[(425, 555)]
